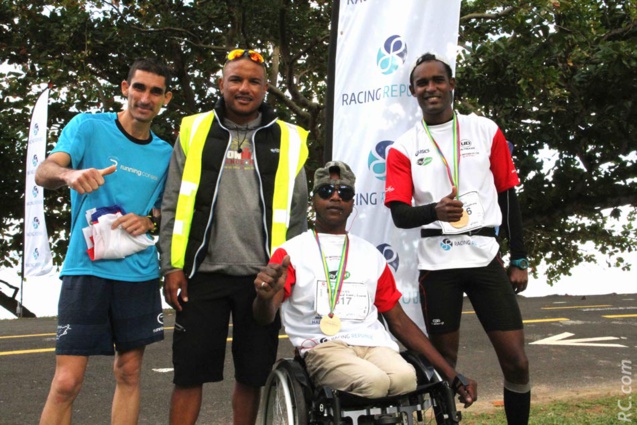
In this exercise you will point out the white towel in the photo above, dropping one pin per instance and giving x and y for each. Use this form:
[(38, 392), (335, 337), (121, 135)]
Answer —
[(109, 244)]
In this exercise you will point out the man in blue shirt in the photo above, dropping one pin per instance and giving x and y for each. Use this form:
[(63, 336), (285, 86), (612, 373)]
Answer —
[(110, 304)]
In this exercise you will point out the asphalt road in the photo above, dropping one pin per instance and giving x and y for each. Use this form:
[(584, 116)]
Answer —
[(576, 345)]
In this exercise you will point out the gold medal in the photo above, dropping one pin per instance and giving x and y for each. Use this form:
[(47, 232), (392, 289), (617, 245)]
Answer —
[(330, 325), (464, 220)]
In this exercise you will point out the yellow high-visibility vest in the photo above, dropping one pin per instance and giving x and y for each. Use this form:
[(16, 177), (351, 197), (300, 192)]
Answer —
[(192, 137)]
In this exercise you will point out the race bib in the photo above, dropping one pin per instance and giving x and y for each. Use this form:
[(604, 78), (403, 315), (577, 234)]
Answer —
[(474, 215), (352, 304)]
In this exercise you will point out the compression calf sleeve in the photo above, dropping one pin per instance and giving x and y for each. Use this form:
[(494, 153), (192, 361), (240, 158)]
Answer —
[(517, 404)]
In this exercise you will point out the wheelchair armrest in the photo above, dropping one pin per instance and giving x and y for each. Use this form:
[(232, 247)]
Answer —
[(425, 373)]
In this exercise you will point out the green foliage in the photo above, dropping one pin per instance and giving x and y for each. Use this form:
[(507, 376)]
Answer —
[(83, 48), (559, 77), (576, 411)]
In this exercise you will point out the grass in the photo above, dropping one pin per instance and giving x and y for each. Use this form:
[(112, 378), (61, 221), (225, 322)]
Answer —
[(589, 411)]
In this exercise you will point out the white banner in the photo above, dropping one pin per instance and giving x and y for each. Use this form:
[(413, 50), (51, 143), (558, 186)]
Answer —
[(378, 43), (37, 253)]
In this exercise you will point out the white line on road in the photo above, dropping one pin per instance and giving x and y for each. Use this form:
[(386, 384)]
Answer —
[(580, 342)]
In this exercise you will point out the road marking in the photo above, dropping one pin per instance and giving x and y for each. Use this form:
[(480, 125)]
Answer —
[(48, 334), (576, 306), (26, 336), (579, 342), (618, 316), (557, 319), (49, 350), (37, 350)]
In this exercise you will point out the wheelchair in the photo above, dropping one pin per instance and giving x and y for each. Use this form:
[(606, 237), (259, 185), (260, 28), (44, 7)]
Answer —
[(290, 398)]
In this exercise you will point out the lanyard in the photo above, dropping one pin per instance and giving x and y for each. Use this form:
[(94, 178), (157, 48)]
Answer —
[(455, 179), (334, 287)]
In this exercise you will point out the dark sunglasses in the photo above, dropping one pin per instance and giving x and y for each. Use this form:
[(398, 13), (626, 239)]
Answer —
[(346, 193), (250, 54)]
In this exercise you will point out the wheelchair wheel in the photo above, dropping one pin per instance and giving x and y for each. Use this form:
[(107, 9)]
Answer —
[(441, 406), (444, 406), (283, 399)]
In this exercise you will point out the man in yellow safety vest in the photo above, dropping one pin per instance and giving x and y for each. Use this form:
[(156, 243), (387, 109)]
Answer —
[(236, 190)]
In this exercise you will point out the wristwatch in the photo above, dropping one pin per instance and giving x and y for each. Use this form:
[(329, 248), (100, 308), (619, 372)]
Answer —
[(520, 263)]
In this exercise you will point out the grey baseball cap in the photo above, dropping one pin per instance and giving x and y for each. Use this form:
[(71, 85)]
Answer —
[(322, 175)]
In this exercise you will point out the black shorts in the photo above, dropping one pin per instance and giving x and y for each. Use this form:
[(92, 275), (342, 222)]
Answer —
[(201, 329), (488, 288), (95, 314)]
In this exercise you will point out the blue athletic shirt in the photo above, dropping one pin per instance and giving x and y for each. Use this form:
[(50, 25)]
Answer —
[(95, 141)]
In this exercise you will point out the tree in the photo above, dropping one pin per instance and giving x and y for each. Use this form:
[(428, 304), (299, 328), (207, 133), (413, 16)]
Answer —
[(84, 48), (534, 66), (561, 76)]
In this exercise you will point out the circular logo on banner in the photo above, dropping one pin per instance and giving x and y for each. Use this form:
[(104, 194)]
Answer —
[(36, 129), (36, 222), (376, 159), (392, 55)]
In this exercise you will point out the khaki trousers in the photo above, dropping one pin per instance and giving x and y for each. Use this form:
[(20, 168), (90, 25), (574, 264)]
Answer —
[(371, 372)]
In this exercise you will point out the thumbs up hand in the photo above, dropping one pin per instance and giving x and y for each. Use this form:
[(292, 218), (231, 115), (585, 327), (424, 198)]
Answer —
[(271, 279), (449, 208), (88, 180)]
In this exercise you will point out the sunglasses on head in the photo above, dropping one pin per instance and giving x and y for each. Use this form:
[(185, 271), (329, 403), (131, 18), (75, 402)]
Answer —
[(346, 193), (250, 54)]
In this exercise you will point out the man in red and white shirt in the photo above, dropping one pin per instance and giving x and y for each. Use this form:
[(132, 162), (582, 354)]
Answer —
[(331, 286), (452, 176)]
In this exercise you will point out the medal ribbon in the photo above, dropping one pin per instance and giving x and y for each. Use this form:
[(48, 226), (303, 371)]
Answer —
[(334, 287), (455, 179)]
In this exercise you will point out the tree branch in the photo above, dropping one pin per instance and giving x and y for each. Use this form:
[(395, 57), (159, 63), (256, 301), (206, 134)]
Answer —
[(620, 32), (294, 107), (471, 16), (571, 210)]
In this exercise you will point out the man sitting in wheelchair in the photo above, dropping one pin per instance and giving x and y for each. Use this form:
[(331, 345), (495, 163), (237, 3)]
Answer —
[(330, 286)]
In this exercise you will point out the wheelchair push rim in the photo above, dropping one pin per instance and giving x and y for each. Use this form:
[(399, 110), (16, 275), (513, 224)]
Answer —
[(283, 401)]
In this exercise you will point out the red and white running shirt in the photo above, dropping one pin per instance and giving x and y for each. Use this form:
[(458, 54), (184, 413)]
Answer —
[(417, 175)]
